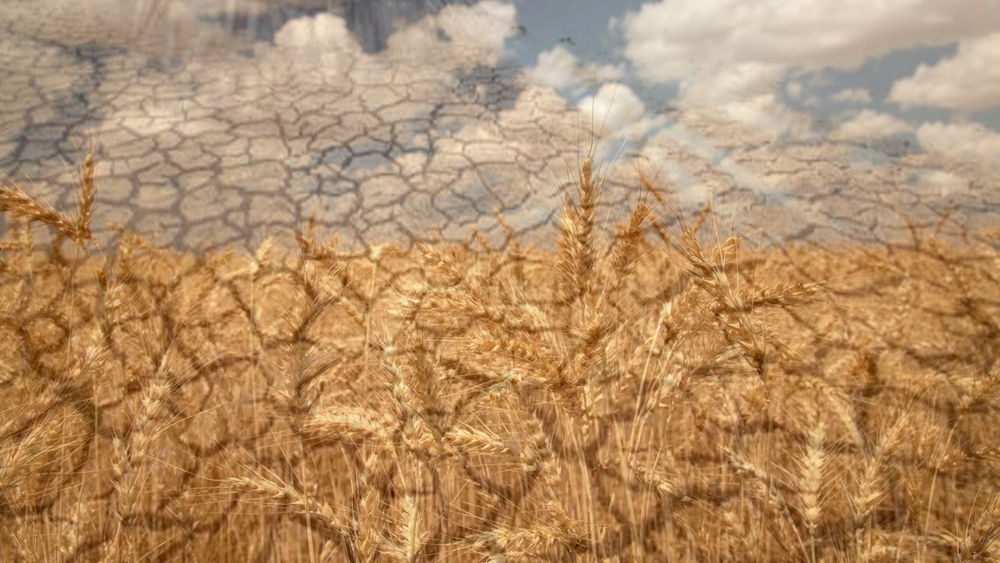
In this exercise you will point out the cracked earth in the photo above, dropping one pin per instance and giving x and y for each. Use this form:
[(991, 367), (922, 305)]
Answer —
[(209, 135)]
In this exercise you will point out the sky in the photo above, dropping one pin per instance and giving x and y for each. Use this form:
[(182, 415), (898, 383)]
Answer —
[(861, 71), (929, 69), (926, 72), (777, 97)]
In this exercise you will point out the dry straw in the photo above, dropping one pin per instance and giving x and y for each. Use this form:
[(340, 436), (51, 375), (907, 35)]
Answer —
[(654, 398)]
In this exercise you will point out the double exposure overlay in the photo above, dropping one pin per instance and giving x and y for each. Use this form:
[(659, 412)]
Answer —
[(217, 121), (498, 281)]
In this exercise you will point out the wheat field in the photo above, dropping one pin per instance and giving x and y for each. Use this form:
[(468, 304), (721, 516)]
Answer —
[(653, 395)]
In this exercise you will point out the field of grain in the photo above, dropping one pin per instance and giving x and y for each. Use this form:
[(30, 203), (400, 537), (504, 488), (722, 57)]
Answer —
[(661, 394)]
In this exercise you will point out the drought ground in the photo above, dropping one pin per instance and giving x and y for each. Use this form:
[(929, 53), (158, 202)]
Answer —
[(212, 132)]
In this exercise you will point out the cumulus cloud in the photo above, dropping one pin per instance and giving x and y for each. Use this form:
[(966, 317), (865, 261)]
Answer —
[(458, 36), (748, 94), (728, 84), (968, 81), (559, 68), (617, 109), (869, 125), (968, 143), (486, 25), (323, 32), (556, 68), (668, 40), (685, 41), (853, 96), (766, 115)]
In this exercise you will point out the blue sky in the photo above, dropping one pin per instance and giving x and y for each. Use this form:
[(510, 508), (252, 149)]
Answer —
[(893, 66)]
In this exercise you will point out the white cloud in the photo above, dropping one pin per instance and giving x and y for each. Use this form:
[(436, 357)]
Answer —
[(615, 108), (765, 114), (853, 95), (668, 40), (475, 35), (747, 94), (730, 84), (560, 69), (869, 125), (739, 52), (486, 24), (323, 32), (968, 81), (556, 68), (968, 143), (534, 105)]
